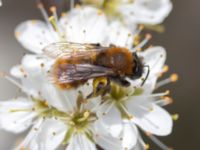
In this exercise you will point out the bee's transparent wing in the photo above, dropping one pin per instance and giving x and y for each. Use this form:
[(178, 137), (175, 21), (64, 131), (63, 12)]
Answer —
[(69, 49), (80, 72)]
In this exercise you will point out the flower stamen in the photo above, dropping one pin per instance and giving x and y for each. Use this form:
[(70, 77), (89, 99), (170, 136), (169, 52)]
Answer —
[(158, 142), (173, 78), (143, 43)]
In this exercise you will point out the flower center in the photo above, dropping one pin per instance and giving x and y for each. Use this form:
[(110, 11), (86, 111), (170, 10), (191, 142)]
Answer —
[(79, 123), (119, 95), (81, 120)]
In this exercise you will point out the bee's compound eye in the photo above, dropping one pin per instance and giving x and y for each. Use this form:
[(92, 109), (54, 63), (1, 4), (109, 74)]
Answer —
[(137, 67)]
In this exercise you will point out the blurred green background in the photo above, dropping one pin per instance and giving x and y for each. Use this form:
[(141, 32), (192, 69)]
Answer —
[(181, 39)]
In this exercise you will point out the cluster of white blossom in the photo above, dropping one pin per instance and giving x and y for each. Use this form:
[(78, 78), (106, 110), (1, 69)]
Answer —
[(67, 117)]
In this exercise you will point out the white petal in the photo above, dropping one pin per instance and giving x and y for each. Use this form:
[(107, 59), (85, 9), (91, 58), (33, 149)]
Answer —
[(31, 73), (62, 100), (15, 71), (31, 135), (84, 25), (34, 35), (50, 136), (138, 106), (147, 11), (13, 120), (37, 81), (154, 57), (80, 142), (129, 135), (119, 35), (157, 121), (111, 120), (109, 142)]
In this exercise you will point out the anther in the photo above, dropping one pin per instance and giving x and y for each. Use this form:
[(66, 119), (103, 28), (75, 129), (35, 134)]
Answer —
[(42, 65), (148, 36), (175, 117), (86, 114), (17, 34), (53, 9), (167, 99), (165, 69), (100, 13), (146, 146), (174, 77)]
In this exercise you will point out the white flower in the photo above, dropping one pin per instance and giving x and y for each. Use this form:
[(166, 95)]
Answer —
[(136, 105), (66, 116), (136, 11), (32, 73), (78, 127), (80, 25)]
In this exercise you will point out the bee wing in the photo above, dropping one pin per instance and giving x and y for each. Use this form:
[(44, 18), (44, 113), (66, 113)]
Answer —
[(80, 72), (69, 49)]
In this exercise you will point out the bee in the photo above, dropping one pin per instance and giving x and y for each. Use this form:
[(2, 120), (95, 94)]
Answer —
[(76, 63)]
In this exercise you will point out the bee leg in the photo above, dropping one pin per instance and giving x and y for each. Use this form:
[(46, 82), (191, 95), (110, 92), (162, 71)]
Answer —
[(121, 81), (101, 88)]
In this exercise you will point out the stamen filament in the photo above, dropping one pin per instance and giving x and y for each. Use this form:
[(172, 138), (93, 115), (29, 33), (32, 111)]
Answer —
[(158, 142), (71, 4), (165, 101), (13, 81), (109, 108), (44, 14), (155, 95), (144, 42), (172, 78)]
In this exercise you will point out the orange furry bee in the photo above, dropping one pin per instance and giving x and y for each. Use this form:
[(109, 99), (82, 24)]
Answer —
[(77, 63)]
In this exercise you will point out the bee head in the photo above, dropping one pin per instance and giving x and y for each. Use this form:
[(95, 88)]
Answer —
[(138, 67)]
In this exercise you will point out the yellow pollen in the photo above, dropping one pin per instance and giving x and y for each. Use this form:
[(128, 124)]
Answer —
[(17, 34), (151, 109), (175, 117), (136, 40), (52, 20), (63, 14), (148, 133), (174, 77), (40, 5), (165, 68), (100, 13), (167, 92), (139, 49), (148, 36), (130, 117), (141, 27), (22, 148), (21, 69), (2, 74), (33, 21), (53, 9), (169, 100), (86, 114), (147, 146), (78, 6)]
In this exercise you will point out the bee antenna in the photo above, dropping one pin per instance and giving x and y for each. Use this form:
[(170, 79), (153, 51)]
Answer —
[(148, 72)]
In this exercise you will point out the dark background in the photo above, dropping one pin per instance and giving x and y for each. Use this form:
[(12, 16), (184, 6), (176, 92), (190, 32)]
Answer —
[(181, 39)]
